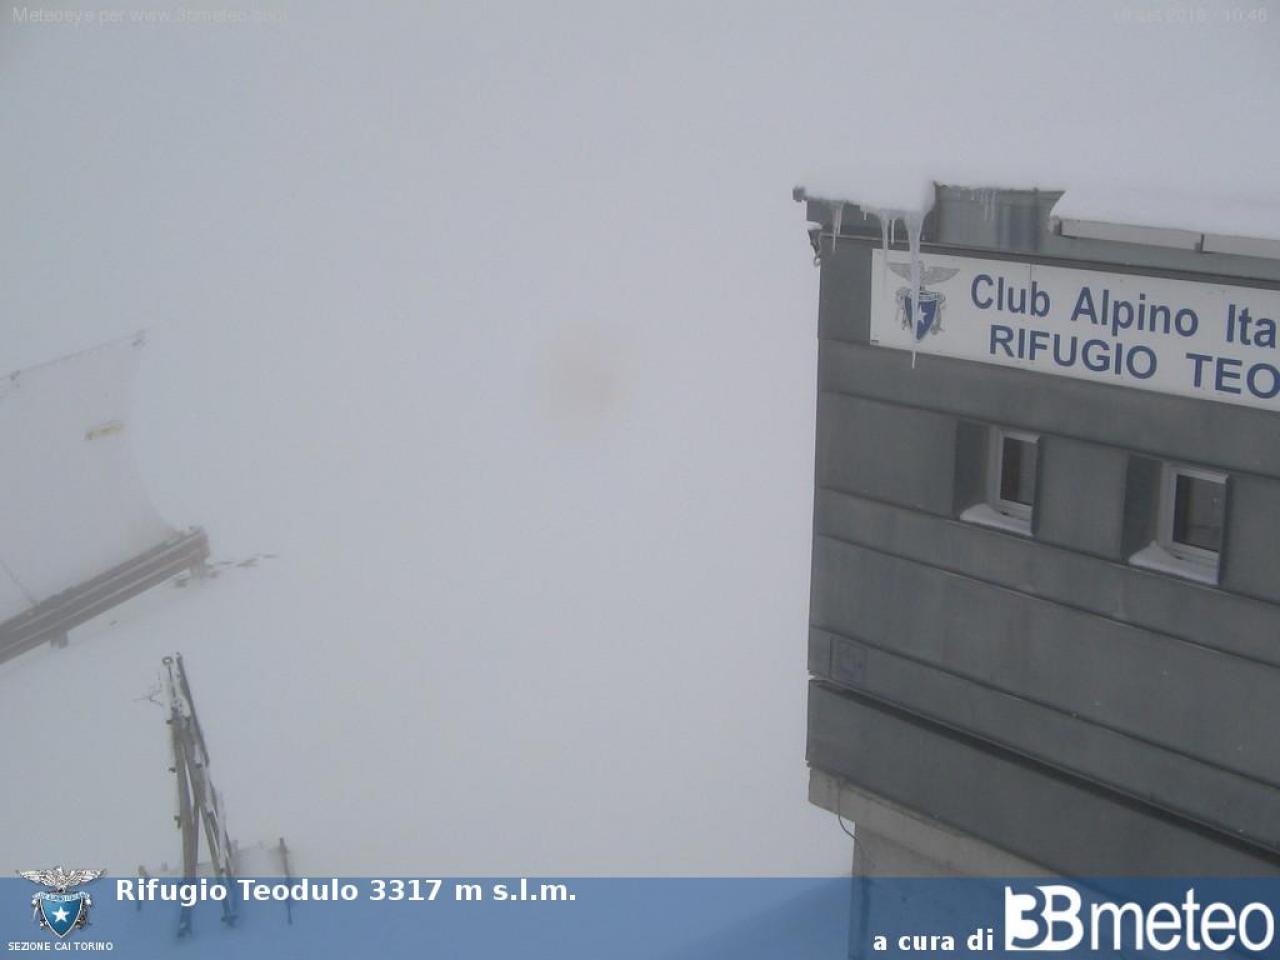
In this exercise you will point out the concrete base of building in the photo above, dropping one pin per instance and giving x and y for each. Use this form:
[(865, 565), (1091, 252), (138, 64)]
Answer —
[(893, 841)]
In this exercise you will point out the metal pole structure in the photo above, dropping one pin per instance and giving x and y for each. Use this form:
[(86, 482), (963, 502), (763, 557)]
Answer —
[(288, 876), (198, 800)]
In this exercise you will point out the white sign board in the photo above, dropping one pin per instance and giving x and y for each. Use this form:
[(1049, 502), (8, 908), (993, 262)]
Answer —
[(1198, 340)]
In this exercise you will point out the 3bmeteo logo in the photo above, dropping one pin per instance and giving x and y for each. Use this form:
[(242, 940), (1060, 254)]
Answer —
[(1054, 918)]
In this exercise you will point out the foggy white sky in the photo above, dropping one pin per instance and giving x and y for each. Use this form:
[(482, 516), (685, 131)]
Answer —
[(496, 322)]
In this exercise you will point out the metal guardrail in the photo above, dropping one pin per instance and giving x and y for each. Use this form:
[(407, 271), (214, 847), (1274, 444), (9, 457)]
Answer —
[(51, 619)]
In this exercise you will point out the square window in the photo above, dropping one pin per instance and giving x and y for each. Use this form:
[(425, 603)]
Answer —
[(1009, 482), (1013, 473), (1197, 512), (1189, 524), (1017, 470), (1192, 508)]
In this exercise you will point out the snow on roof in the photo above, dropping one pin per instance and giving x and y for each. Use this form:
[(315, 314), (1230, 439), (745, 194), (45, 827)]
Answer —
[(903, 195), (1238, 216), (1136, 121), (900, 193)]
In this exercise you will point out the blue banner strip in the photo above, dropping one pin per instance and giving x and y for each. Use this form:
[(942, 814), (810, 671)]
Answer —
[(618, 919)]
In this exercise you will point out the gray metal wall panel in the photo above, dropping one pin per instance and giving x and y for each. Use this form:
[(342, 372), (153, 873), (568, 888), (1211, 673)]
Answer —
[(1211, 795), (1209, 705), (819, 653), (1214, 618), (972, 453), (1217, 434), (1022, 807), (1173, 682), (1253, 538), (1141, 503), (843, 292), (1080, 496), (888, 452), (1016, 223)]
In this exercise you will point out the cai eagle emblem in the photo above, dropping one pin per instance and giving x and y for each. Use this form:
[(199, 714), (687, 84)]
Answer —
[(56, 909), (929, 319)]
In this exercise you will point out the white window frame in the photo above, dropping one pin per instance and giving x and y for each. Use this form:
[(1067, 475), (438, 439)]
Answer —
[(995, 472), (1168, 498), (994, 510), (1171, 556)]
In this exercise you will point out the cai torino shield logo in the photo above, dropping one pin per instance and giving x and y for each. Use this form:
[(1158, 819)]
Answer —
[(928, 318), (58, 910)]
